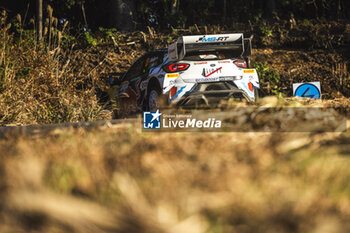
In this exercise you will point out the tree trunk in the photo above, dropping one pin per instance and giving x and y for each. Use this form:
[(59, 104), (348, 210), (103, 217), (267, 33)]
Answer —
[(39, 20), (174, 7), (339, 9), (122, 14), (84, 16), (225, 11)]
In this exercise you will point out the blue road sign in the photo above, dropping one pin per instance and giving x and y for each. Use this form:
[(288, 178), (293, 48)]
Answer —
[(308, 90)]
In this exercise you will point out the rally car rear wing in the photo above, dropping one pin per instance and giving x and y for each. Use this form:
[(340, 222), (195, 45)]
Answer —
[(207, 43)]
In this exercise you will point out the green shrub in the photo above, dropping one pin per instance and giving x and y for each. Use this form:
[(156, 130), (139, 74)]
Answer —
[(265, 32), (88, 40), (67, 40), (107, 33), (270, 80)]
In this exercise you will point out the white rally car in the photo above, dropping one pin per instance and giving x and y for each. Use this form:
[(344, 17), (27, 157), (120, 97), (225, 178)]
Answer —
[(194, 71)]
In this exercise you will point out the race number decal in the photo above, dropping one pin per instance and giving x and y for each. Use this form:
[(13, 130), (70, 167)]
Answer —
[(210, 71)]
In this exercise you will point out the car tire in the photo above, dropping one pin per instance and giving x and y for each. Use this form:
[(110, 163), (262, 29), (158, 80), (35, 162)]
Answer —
[(256, 95), (153, 100)]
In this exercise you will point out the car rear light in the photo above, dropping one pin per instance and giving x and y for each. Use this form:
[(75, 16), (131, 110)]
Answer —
[(173, 92), (240, 63), (173, 68)]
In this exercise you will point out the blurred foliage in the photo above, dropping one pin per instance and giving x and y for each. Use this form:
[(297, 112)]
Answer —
[(65, 177), (270, 80), (213, 12), (179, 13), (120, 180)]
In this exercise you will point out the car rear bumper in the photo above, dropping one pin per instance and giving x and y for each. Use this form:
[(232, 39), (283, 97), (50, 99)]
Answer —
[(203, 94)]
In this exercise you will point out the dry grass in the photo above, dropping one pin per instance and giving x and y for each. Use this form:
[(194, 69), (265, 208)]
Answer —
[(55, 84), (123, 180), (42, 85)]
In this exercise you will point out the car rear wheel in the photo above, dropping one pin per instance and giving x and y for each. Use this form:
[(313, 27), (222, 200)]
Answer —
[(256, 95), (153, 100)]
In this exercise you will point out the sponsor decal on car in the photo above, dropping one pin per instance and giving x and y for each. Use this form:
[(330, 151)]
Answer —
[(201, 63), (228, 78), (179, 91), (250, 71), (212, 39), (206, 80), (218, 79), (210, 71), (173, 75)]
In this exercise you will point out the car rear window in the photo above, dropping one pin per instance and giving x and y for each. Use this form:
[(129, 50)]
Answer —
[(211, 55)]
